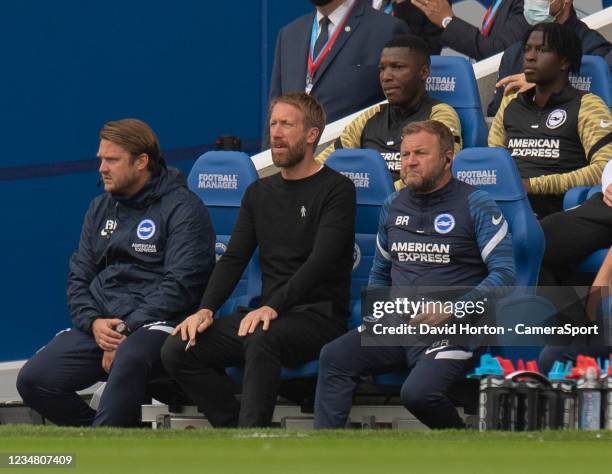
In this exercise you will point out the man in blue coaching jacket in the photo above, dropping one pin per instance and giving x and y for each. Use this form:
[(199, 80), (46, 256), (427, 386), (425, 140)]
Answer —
[(143, 261), (437, 231)]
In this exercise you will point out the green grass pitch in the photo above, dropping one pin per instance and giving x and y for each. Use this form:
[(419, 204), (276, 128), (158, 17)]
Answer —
[(121, 451)]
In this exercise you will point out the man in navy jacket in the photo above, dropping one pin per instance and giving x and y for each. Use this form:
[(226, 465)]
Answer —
[(144, 258), (437, 231), (346, 78)]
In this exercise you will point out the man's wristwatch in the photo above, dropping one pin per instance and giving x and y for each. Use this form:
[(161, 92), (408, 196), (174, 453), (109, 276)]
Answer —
[(446, 21)]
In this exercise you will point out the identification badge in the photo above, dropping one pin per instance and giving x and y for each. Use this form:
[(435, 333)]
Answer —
[(309, 84)]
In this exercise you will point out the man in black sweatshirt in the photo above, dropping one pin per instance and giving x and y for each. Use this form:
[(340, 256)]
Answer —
[(302, 219)]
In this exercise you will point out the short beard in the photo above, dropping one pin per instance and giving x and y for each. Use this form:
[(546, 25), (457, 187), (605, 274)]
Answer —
[(424, 186), (427, 184), (295, 155)]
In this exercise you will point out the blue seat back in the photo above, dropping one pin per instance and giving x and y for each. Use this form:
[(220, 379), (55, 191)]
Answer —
[(493, 170), (594, 76), (452, 81), (594, 190), (219, 178), (575, 196), (373, 185)]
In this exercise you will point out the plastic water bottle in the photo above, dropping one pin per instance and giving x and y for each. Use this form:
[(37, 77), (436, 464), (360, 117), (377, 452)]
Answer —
[(607, 390), (589, 401), (494, 405), (559, 401)]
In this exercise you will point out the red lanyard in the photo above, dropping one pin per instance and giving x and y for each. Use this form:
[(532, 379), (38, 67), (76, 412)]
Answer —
[(487, 21), (314, 63)]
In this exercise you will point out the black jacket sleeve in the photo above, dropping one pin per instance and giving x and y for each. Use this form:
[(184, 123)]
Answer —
[(511, 63), (83, 269), (467, 39), (188, 262), (335, 233), (239, 251)]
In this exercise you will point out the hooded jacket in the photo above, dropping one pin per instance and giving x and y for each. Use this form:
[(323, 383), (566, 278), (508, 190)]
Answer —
[(142, 259)]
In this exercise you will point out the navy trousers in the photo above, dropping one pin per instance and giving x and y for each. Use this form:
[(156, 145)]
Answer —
[(433, 370), (72, 361)]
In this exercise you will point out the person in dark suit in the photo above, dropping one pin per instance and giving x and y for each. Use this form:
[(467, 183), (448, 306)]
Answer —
[(503, 25), (344, 78)]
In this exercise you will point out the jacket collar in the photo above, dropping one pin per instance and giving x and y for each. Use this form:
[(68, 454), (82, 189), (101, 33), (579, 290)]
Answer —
[(567, 94)]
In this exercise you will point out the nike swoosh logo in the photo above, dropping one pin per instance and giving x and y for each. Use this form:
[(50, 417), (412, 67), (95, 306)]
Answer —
[(605, 123), (535, 126), (429, 351), (498, 220)]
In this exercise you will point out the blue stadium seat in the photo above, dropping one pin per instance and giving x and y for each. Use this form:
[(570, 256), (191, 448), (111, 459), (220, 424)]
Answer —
[(594, 76), (373, 184), (574, 197), (219, 178), (452, 81), (493, 170)]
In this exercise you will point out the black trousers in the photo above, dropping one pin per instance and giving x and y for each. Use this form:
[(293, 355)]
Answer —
[(292, 339), (571, 236), (544, 205), (72, 361), (576, 233)]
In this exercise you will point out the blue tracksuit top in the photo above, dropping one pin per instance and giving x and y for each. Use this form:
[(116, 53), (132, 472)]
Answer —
[(455, 236)]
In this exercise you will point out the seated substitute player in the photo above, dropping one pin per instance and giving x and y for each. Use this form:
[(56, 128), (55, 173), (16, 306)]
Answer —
[(303, 220), (474, 250), (404, 69), (145, 255), (594, 346), (558, 136), (571, 236), (576, 233)]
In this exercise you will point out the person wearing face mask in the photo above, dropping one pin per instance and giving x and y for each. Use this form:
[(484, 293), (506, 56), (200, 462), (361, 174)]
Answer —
[(510, 76), (332, 54), (404, 68)]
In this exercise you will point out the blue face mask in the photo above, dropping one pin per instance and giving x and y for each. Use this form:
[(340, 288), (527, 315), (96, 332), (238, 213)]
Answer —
[(537, 11)]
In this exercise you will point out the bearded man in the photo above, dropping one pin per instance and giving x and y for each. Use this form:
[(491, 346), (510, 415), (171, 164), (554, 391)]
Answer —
[(302, 220), (459, 238)]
